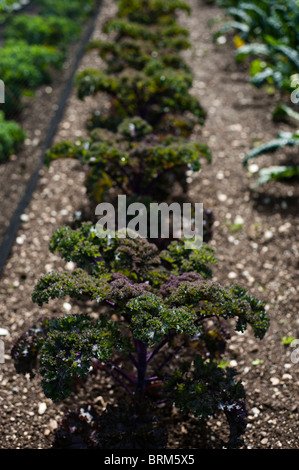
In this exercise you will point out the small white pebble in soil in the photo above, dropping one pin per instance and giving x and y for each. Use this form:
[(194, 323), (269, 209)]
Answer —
[(239, 220), (284, 228), (53, 424), (20, 240), (221, 40), (24, 218), (274, 381), (253, 168), (255, 411), (67, 306), (42, 408), (268, 235), (222, 197), (232, 275)]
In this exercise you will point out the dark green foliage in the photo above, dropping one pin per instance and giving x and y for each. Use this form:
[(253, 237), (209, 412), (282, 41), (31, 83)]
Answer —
[(70, 344), (34, 44), (151, 81), (159, 299), (136, 258), (179, 259), (136, 94), (152, 309), (275, 172), (152, 11), (11, 135), (284, 113), (271, 40), (137, 55), (269, 29), (204, 389), (26, 350), (74, 10), (24, 66), (50, 31), (135, 169), (284, 139), (168, 37)]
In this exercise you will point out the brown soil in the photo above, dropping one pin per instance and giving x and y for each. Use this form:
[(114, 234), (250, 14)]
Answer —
[(262, 256)]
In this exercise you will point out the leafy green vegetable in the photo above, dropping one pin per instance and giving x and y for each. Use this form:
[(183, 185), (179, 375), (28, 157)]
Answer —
[(11, 135)]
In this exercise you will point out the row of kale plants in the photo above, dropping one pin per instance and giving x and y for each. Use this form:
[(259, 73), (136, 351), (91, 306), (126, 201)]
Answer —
[(160, 324), (267, 38), (34, 44)]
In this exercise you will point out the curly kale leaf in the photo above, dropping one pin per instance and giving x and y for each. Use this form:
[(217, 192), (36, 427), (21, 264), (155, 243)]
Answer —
[(25, 351), (151, 12), (167, 37), (134, 257), (205, 390), (180, 259), (135, 169), (72, 343), (149, 97), (210, 299), (78, 285), (138, 55), (151, 320), (256, 315)]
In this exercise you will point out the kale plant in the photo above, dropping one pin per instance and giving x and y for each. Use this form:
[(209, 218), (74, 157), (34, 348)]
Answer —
[(76, 10), (24, 66), (151, 12), (50, 31), (133, 161), (157, 331), (11, 136), (138, 55), (171, 37), (145, 76), (152, 96), (136, 163)]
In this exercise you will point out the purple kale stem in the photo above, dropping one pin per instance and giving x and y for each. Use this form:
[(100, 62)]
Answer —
[(150, 379), (157, 349), (120, 382), (133, 360), (141, 349), (124, 374)]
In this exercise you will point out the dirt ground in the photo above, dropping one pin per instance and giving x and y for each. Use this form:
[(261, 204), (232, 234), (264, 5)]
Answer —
[(255, 240)]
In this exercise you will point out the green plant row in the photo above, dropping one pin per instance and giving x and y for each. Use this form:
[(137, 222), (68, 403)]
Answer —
[(11, 135), (34, 45), (159, 323), (268, 37)]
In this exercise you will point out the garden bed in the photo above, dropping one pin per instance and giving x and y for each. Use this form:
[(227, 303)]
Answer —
[(254, 240)]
